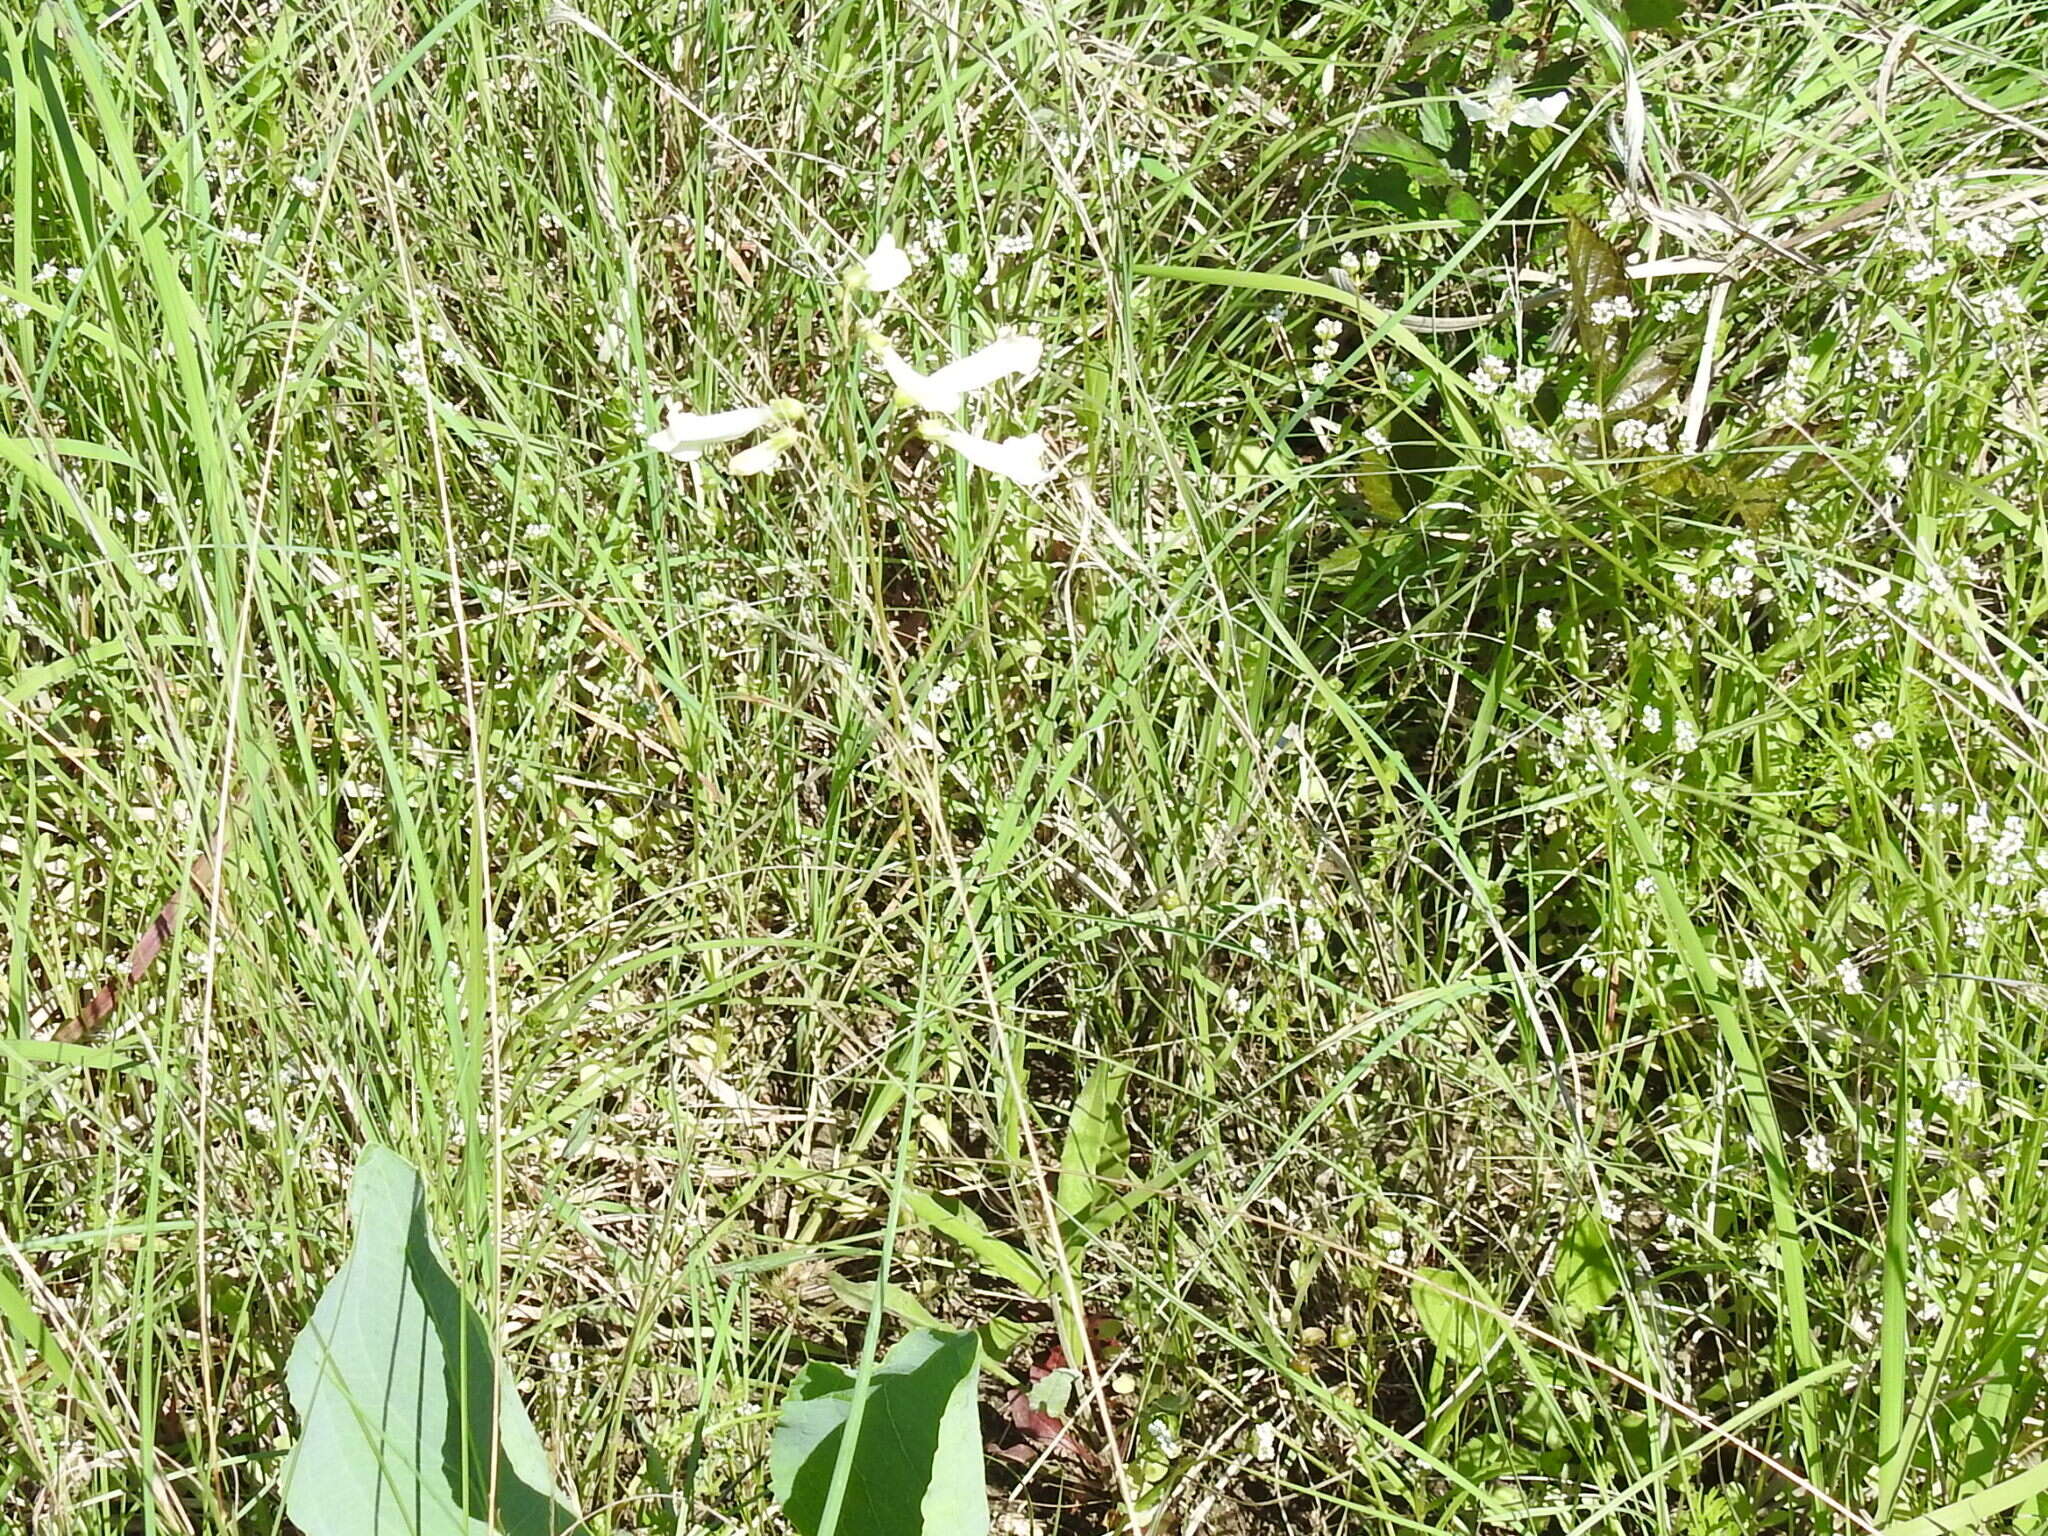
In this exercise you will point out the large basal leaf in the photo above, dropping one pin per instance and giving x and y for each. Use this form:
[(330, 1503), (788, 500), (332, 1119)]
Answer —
[(409, 1426), (917, 1464)]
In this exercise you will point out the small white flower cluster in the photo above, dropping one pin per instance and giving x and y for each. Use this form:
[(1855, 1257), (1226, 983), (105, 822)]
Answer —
[(1632, 434), (1329, 330), (1582, 733), (1355, 266), (1529, 445), (1671, 303), (1736, 582), (1988, 236), (1868, 738), (1494, 375), (1818, 1155), (1935, 217), (1787, 401), (1613, 309), (2002, 306), (2007, 859)]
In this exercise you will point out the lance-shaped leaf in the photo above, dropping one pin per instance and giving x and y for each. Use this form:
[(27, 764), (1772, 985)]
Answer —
[(1095, 1162), (409, 1426)]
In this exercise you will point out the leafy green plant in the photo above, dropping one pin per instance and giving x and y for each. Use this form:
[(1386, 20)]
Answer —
[(408, 1422), (915, 1465)]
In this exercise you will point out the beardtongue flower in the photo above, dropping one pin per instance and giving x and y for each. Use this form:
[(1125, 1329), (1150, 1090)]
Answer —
[(766, 456), (686, 434), (887, 265), (941, 392), (1020, 460)]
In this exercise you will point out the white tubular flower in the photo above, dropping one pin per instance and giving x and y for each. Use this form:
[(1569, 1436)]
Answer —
[(1501, 109), (687, 434), (1020, 460), (939, 393), (881, 269), (766, 456)]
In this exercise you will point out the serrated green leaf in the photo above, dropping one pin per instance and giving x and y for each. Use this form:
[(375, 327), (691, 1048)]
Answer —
[(1585, 1273), (398, 1392), (1458, 1318), (917, 1465)]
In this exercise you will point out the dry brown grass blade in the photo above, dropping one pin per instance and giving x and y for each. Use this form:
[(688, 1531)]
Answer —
[(84, 1024)]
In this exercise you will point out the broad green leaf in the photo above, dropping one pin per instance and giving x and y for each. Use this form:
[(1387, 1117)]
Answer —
[(1458, 1318), (1423, 164), (953, 1219), (917, 1466), (399, 1392), (1095, 1161), (1585, 1273)]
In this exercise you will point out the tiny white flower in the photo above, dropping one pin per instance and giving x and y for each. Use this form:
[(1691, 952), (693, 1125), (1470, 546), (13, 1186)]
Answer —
[(1849, 975), (881, 269), (1265, 1440), (1501, 109), (766, 456), (1820, 1157), (1020, 460), (940, 392), (687, 434)]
